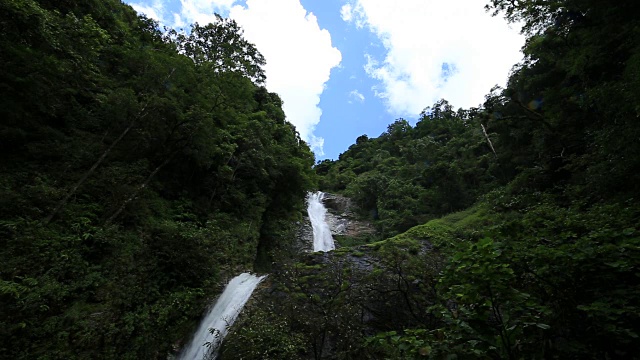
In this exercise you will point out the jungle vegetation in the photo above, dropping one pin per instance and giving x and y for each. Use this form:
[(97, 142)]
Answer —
[(509, 231), (141, 167)]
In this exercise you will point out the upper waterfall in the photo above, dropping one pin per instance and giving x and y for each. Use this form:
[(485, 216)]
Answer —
[(220, 318), (322, 239)]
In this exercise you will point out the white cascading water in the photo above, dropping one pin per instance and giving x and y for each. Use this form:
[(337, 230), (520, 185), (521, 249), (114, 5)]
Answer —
[(322, 239), (220, 317)]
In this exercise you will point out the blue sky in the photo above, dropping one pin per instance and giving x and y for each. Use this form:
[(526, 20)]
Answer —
[(345, 68)]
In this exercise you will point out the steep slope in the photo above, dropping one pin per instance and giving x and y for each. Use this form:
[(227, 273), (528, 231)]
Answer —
[(138, 168)]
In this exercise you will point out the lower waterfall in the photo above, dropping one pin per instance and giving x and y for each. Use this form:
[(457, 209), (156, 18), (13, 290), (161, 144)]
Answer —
[(322, 239), (220, 317)]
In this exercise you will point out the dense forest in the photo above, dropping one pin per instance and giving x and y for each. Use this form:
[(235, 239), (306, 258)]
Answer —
[(142, 167), (507, 231), (139, 170)]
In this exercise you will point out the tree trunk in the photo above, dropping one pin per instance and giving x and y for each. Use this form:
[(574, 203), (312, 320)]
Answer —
[(138, 190), (86, 175), (484, 131)]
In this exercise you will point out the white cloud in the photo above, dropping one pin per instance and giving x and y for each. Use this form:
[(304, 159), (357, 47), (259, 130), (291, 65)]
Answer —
[(356, 95), (178, 22), (153, 11), (349, 13), (316, 144), (299, 58), (299, 54), (202, 11), (420, 36), (346, 12)]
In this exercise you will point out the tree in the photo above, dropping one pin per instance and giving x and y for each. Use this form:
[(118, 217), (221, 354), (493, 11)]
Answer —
[(221, 46)]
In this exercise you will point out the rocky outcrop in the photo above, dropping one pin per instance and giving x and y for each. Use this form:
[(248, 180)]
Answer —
[(338, 204), (304, 237), (331, 297), (340, 218)]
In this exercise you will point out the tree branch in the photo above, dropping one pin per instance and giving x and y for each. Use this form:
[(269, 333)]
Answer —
[(86, 175)]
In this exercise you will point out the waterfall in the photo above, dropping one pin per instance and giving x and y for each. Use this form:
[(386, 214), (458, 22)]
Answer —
[(322, 240), (220, 317)]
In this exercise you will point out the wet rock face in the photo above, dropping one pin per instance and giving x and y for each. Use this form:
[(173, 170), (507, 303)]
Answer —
[(337, 204), (304, 236), (340, 218)]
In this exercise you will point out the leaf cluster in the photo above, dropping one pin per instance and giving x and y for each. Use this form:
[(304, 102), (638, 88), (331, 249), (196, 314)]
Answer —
[(138, 168)]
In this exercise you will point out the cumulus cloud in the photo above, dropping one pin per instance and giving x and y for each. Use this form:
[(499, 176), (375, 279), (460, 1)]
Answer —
[(316, 143), (201, 11), (299, 54), (346, 12), (154, 10), (299, 57), (356, 95), (435, 49), (355, 14)]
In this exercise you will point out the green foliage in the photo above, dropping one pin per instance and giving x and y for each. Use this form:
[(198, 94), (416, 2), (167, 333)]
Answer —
[(261, 334), (550, 282), (566, 112), (352, 241), (542, 265), (137, 166), (409, 344), (485, 305), (221, 47), (409, 175), (582, 260), (326, 302)]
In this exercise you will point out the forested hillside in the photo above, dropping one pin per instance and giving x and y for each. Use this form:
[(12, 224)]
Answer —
[(139, 168), (142, 167), (567, 122), (409, 175), (538, 250)]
